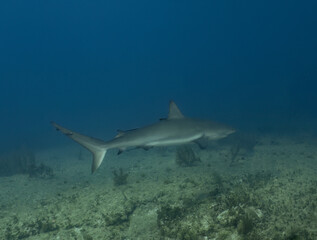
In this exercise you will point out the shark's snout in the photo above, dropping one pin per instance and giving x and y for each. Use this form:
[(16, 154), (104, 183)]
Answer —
[(218, 132)]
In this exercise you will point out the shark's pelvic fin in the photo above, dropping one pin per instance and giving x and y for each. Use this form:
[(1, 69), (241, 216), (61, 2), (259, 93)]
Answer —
[(95, 146), (174, 112)]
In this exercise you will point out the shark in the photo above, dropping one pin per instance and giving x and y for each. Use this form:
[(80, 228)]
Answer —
[(176, 129)]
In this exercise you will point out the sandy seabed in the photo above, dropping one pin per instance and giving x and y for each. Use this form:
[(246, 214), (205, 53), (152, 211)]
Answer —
[(267, 192)]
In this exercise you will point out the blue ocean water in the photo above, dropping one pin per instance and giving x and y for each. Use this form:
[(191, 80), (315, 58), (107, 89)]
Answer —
[(105, 65), (99, 66)]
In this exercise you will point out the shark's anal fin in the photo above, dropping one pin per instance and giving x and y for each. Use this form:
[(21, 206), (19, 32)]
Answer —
[(120, 151), (146, 148), (202, 143)]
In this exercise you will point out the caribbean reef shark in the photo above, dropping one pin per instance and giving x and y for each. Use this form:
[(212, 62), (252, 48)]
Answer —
[(176, 129)]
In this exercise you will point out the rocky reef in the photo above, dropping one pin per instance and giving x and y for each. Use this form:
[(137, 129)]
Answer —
[(185, 157), (272, 195), (119, 177), (22, 161)]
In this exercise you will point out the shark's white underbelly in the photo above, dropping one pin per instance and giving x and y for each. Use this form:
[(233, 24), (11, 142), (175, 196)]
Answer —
[(173, 141)]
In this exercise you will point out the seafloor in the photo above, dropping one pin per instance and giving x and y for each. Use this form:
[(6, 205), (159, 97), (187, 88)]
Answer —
[(263, 187)]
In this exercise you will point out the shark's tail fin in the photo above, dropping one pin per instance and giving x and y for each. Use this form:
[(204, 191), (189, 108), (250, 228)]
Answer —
[(95, 146)]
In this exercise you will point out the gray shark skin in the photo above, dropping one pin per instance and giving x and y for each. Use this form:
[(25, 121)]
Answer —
[(176, 129)]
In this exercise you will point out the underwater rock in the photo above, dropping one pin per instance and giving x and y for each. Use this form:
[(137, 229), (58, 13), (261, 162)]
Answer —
[(296, 233), (184, 222), (121, 215), (242, 145), (120, 178), (248, 221), (228, 217), (22, 161), (18, 229), (244, 219), (41, 171), (245, 225), (167, 220), (16, 162)]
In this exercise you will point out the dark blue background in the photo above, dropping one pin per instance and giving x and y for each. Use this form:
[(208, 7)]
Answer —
[(95, 66)]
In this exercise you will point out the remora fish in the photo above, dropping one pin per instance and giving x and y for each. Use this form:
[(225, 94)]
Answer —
[(176, 129)]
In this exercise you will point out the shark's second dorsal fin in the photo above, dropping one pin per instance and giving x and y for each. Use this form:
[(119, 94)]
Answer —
[(174, 112), (123, 132), (120, 133)]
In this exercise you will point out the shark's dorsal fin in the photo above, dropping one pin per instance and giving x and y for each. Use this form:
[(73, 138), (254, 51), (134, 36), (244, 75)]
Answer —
[(174, 112)]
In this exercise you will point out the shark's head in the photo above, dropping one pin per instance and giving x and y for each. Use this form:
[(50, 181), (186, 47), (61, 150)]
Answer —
[(206, 128), (216, 131)]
